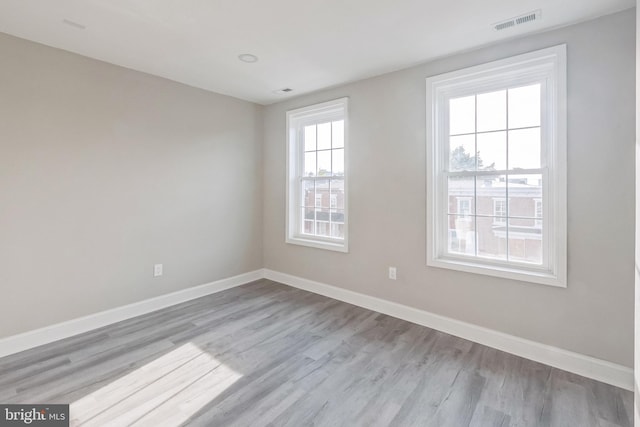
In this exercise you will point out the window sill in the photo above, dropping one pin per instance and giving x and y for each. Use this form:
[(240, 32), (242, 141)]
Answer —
[(525, 275), (338, 246)]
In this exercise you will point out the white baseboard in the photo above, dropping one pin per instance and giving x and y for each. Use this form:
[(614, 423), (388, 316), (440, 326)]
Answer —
[(590, 367), (38, 337)]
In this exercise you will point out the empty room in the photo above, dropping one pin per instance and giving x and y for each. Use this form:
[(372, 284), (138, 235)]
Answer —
[(318, 213)]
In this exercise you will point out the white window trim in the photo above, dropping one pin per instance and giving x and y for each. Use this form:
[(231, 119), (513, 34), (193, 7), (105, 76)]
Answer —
[(338, 107), (550, 64)]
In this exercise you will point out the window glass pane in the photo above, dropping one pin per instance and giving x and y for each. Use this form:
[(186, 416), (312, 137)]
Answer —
[(500, 211), (333, 201), (310, 164), (322, 193), (492, 151), (337, 215), (308, 215), (324, 136), (308, 193), (337, 164), (462, 153), (337, 194), (322, 229), (488, 189), (523, 192), (524, 149), (522, 222), (337, 130), (337, 230), (525, 241), (337, 223), (324, 163), (462, 115), (461, 235), (310, 138), (538, 211), (524, 106), (308, 227), (492, 240), (461, 194), (465, 206), (322, 222), (492, 111)]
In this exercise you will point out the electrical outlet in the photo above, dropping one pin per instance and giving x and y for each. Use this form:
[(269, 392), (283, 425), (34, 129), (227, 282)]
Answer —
[(392, 273), (157, 270)]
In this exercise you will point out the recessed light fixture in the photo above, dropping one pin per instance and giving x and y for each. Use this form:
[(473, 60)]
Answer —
[(283, 91), (74, 24), (247, 57)]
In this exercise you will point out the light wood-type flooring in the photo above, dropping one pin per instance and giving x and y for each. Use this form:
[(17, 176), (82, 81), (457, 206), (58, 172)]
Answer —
[(265, 354)]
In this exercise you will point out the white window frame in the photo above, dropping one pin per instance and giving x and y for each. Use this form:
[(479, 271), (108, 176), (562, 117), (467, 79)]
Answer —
[(547, 66), (296, 120)]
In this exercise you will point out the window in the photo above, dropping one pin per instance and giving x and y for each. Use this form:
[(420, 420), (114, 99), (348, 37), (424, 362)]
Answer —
[(496, 148), (316, 176), (464, 206), (499, 211), (538, 212), (333, 201)]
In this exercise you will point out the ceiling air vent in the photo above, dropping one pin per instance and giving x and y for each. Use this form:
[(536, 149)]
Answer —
[(518, 20)]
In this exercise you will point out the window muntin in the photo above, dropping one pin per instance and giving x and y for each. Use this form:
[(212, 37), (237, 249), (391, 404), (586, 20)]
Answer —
[(497, 140), (316, 199)]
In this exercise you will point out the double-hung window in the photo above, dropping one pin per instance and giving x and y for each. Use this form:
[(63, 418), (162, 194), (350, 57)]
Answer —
[(316, 176), (496, 149)]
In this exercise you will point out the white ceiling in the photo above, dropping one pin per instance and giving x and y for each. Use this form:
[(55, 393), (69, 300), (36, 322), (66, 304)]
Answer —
[(302, 44)]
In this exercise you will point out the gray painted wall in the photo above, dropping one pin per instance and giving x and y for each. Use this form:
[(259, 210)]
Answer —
[(106, 171), (594, 315)]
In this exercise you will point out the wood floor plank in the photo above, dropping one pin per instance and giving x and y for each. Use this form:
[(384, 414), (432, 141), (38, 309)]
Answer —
[(265, 354), (486, 416)]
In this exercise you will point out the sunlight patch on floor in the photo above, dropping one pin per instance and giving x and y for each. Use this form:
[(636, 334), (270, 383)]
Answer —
[(166, 391)]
